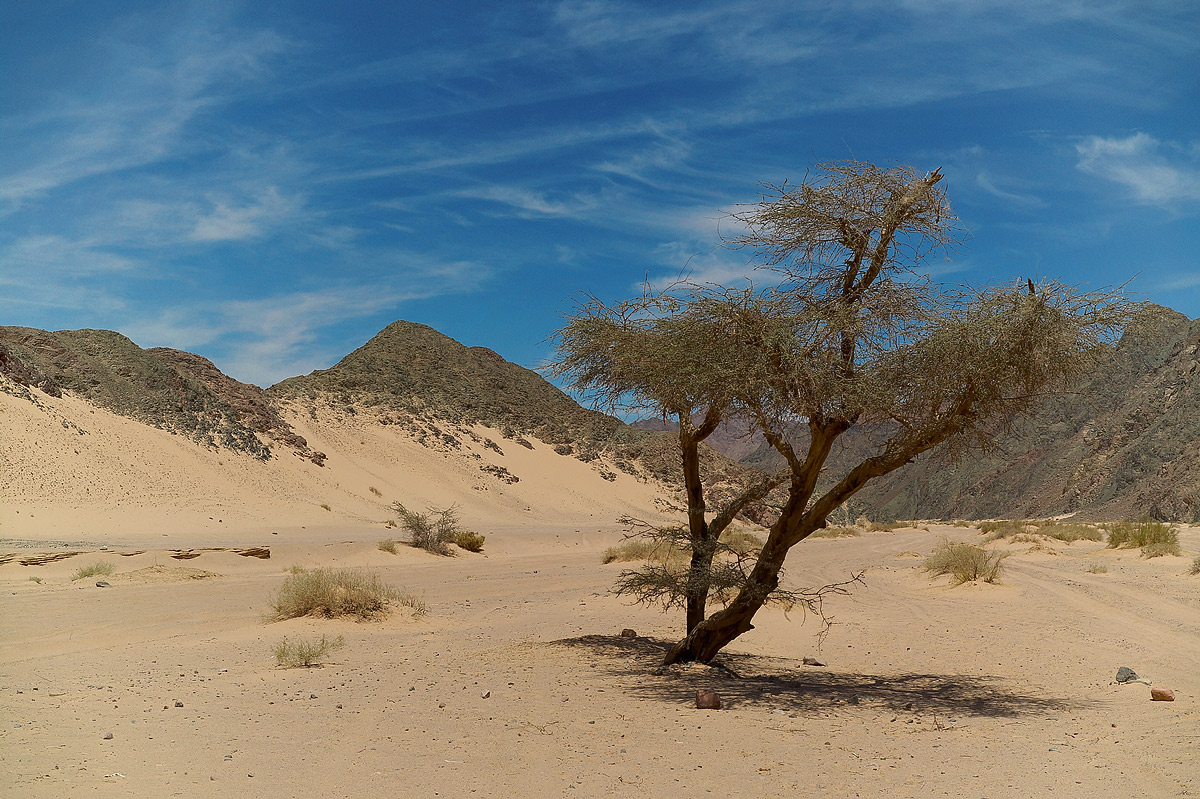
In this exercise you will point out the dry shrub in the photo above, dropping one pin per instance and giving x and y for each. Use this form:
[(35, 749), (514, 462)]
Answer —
[(339, 592), (1072, 532), (1097, 568), (100, 567), (387, 545), (1195, 567), (965, 562), (667, 549), (639, 549), (1155, 538), (375, 491), (835, 532), (470, 541), (431, 530), (1006, 528), (304, 653)]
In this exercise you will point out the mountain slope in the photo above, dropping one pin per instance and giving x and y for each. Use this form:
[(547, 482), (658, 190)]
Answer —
[(1125, 444)]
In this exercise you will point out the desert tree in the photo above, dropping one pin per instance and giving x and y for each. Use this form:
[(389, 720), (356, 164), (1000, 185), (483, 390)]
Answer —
[(847, 333)]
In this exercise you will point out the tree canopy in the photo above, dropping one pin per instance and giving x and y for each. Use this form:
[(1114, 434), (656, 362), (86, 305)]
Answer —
[(845, 332)]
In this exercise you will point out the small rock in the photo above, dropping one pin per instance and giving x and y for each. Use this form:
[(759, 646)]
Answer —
[(339, 707), (707, 700), (178, 703), (1160, 694), (485, 695), (628, 633), (813, 662), (1126, 674), (102, 584), (108, 736), (312, 696)]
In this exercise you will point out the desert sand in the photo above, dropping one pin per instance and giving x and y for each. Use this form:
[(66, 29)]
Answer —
[(517, 681)]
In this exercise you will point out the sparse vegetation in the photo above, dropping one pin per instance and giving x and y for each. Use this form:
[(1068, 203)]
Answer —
[(325, 506), (387, 545), (100, 567), (965, 562), (1155, 538), (432, 530), (1195, 567), (666, 549), (1097, 568), (339, 592), (305, 653), (1020, 530), (295, 569), (35, 579), (836, 532), (375, 491), (469, 540)]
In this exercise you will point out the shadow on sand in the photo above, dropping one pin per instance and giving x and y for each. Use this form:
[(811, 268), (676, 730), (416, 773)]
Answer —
[(781, 683)]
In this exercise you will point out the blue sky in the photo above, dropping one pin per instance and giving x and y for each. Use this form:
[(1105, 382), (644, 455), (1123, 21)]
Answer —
[(269, 184)]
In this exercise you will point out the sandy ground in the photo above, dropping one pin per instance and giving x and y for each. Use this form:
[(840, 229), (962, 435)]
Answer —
[(517, 682)]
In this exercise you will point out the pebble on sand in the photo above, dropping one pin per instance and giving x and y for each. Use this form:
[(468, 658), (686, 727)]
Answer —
[(1160, 694)]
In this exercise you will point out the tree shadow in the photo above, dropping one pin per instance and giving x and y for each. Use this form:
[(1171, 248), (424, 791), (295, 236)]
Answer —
[(784, 684)]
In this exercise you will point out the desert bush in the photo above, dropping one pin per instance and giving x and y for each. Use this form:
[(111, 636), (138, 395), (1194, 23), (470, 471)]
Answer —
[(99, 567), (638, 549), (469, 540), (1195, 567), (995, 530), (387, 545), (295, 569), (1072, 532), (35, 579), (965, 562), (1155, 538), (742, 542), (304, 653), (325, 506), (375, 491), (834, 532), (1097, 568), (432, 530), (339, 592)]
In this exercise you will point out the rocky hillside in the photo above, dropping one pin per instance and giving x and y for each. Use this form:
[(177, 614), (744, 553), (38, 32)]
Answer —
[(1125, 444), (165, 388)]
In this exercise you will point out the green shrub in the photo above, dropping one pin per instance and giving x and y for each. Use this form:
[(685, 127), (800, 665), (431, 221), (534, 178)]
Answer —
[(432, 530), (303, 653), (339, 592), (470, 541), (99, 567), (965, 562), (1155, 538), (387, 545)]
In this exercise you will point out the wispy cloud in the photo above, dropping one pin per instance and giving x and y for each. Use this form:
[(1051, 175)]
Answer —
[(1154, 172), (227, 222)]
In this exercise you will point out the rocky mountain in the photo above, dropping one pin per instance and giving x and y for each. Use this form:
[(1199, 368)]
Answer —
[(1125, 444), (165, 388)]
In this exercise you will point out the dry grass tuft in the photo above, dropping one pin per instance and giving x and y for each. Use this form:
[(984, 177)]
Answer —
[(965, 562), (1195, 567), (1155, 538), (470, 541), (100, 567), (339, 592), (387, 545), (375, 491), (304, 653), (1097, 568), (835, 532)]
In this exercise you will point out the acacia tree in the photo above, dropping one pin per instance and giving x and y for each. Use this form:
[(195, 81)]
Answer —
[(848, 335)]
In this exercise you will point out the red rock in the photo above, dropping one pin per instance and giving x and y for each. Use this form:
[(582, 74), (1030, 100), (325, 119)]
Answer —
[(1162, 694), (707, 700)]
